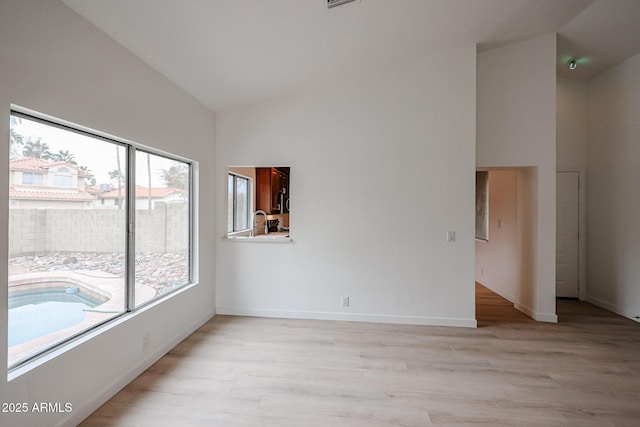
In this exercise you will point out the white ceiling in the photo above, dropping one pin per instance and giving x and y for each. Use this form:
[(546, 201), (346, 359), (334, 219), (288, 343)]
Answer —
[(603, 35), (231, 52)]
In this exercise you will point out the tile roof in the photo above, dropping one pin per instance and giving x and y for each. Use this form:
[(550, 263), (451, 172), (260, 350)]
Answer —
[(142, 192), (44, 194), (31, 164), (93, 189)]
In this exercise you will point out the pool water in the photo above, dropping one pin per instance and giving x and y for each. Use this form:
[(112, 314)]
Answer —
[(39, 312)]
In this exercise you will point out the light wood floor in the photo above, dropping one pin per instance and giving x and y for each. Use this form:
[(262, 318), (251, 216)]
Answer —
[(511, 371)]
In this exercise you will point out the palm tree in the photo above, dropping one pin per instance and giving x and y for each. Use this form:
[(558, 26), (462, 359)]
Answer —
[(16, 139), (117, 176), (34, 147), (64, 156), (90, 181)]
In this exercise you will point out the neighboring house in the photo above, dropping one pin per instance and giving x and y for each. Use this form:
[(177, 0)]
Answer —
[(41, 184), (113, 198)]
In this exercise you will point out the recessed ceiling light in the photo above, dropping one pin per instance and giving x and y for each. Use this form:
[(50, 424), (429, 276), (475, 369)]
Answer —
[(334, 3)]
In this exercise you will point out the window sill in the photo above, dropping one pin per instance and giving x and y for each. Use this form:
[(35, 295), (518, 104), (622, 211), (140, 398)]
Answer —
[(239, 233), (277, 237)]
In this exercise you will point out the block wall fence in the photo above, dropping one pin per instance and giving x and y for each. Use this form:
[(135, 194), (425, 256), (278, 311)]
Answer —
[(35, 232)]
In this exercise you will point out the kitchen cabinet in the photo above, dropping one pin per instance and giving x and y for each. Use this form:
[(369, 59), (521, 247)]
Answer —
[(272, 190)]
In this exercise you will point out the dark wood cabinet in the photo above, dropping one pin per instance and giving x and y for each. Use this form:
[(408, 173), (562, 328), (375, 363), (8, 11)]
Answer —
[(272, 190)]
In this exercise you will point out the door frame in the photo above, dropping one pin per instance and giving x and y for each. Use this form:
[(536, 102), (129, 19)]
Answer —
[(582, 232)]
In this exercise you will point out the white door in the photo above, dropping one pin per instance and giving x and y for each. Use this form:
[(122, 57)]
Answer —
[(567, 201)]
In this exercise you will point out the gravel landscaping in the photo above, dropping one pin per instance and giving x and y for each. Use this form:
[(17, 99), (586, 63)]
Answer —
[(159, 271)]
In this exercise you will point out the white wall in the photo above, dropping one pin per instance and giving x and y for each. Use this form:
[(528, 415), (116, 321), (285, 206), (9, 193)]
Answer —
[(571, 130), (382, 166), (55, 62), (516, 127), (571, 150), (613, 198)]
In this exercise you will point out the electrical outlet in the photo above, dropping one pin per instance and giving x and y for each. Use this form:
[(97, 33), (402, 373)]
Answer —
[(451, 236), (482, 271), (345, 301), (145, 339)]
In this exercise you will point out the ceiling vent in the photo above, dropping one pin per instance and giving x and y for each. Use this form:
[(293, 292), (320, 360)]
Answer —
[(334, 3)]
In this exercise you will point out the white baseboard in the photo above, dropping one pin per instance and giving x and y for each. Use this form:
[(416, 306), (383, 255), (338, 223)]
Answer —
[(350, 317), (540, 317), (101, 397), (525, 309), (546, 317), (537, 316), (624, 312)]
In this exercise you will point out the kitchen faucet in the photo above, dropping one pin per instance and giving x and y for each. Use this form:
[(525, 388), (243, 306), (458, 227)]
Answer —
[(266, 223)]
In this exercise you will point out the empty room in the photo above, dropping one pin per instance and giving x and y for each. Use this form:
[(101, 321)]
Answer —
[(320, 212)]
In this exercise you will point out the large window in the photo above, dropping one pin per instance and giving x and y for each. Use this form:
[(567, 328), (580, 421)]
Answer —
[(238, 203), (74, 264), (162, 225)]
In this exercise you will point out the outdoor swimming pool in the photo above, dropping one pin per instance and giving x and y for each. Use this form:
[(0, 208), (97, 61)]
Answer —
[(37, 312)]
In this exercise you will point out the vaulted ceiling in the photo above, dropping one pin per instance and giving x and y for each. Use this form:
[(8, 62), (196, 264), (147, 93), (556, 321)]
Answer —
[(231, 52)]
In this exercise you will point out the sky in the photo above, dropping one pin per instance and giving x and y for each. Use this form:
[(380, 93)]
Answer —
[(98, 155)]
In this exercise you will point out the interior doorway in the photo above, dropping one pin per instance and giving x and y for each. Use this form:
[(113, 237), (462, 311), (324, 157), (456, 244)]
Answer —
[(567, 234), (506, 258)]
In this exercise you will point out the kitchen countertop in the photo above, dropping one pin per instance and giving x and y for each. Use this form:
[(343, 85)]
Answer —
[(274, 237)]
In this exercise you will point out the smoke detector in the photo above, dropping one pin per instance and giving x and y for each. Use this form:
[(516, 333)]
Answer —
[(334, 3)]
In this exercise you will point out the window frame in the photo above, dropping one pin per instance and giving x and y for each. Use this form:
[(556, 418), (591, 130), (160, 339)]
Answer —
[(237, 176), (131, 189), (32, 175), (130, 158), (62, 177)]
